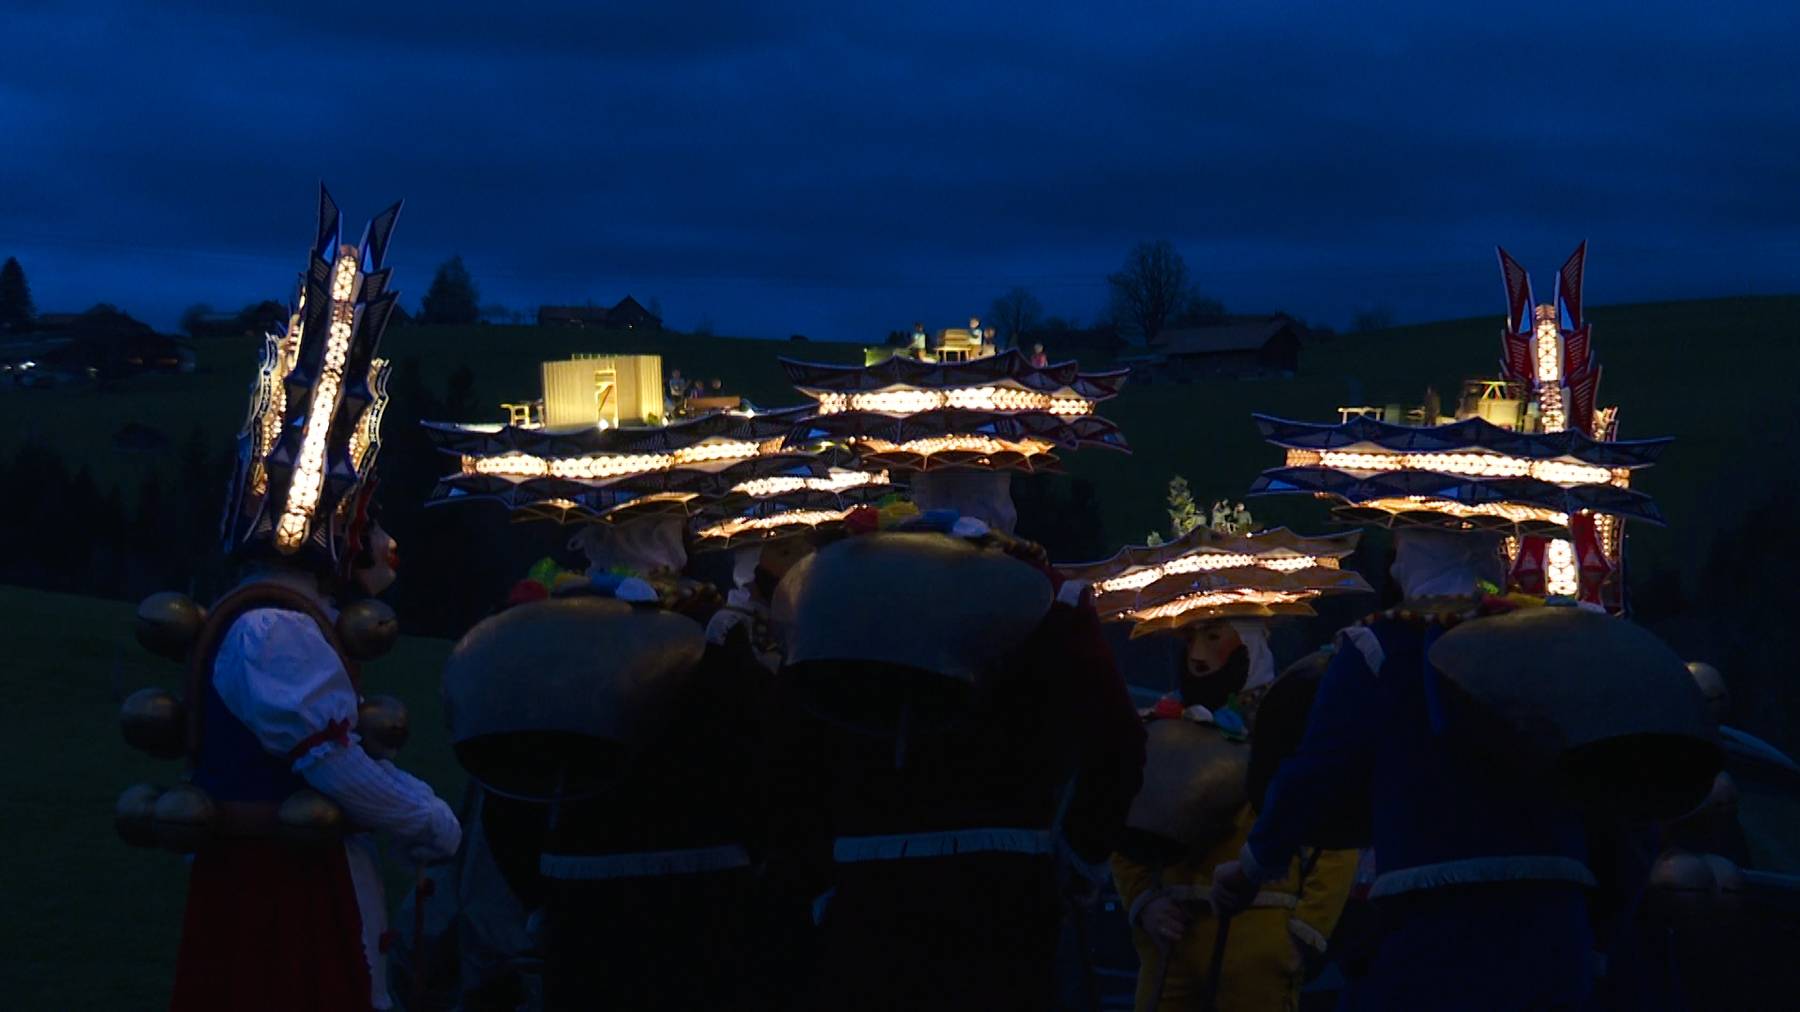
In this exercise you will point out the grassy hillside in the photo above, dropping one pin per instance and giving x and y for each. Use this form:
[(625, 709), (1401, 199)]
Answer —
[(81, 421), (92, 923), (1686, 369), (1709, 373)]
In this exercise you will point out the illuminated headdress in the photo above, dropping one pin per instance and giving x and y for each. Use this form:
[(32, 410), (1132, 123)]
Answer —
[(995, 412), (306, 455), (788, 504), (1528, 455), (1206, 575)]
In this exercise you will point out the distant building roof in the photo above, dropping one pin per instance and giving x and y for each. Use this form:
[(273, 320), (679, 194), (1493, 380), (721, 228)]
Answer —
[(1229, 335), (573, 312)]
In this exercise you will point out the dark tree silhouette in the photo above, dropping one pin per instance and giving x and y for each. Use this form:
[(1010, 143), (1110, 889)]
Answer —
[(452, 297), (1152, 288), (1016, 313), (16, 311)]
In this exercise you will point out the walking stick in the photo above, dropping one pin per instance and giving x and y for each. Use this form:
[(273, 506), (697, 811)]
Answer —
[(423, 887), (1218, 964), (1162, 973)]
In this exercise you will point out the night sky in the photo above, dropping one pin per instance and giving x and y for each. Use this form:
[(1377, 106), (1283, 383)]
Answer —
[(841, 169)]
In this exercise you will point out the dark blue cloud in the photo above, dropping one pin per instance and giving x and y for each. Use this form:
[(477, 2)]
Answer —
[(786, 166)]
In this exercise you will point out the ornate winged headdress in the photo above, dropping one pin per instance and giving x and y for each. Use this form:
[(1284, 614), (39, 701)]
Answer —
[(996, 412), (1528, 454), (306, 455)]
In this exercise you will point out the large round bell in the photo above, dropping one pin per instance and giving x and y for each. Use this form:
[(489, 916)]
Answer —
[(549, 699), (383, 726), (168, 623), (1714, 821), (308, 817), (1712, 688), (134, 814), (881, 623), (154, 721), (1193, 783), (1597, 704), (1728, 885), (367, 629), (184, 818), (1681, 885), (1278, 725)]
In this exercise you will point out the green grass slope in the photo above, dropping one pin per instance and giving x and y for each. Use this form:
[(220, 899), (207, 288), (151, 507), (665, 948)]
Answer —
[(91, 922)]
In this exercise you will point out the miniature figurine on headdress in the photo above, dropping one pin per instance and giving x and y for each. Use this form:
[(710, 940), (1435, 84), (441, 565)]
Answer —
[(290, 768)]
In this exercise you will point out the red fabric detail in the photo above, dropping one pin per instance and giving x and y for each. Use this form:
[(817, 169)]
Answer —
[(272, 927), (1528, 568), (1568, 283), (1595, 567), (862, 520), (525, 592), (337, 730), (1168, 708)]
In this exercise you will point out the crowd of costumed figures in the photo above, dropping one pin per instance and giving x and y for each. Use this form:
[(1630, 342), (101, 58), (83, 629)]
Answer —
[(895, 760)]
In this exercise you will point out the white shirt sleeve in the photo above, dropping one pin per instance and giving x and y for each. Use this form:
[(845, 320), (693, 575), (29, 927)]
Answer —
[(276, 673)]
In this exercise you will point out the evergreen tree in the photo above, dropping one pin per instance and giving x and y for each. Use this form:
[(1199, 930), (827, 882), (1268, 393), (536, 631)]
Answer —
[(452, 298), (1184, 515), (16, 311)]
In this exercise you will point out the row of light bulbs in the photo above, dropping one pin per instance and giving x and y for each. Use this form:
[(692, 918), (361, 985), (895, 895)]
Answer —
[(958, 443), (1479, 465), (837, 481), (1207, 562), (309, 469), (603, 466), (1220, 599), (791, 518), (906, 401)]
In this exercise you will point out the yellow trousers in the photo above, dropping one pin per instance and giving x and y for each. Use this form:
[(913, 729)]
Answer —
[(1261, 972)]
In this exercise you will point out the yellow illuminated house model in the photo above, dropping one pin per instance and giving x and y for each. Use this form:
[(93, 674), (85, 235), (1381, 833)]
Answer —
[(595, 448)]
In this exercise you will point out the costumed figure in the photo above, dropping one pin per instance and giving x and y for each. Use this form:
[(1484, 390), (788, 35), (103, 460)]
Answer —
[(960, 749), (1477, 732), (1219, 592), (290, 769), (617, 747)]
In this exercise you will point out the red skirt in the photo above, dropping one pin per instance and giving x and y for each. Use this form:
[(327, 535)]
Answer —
[(272, 927)]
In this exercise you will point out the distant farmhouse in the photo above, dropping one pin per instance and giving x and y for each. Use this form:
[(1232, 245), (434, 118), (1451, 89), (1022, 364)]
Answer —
[(629, 314), (1228, 347)]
